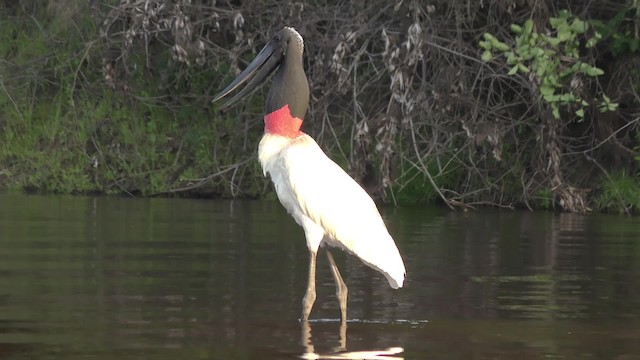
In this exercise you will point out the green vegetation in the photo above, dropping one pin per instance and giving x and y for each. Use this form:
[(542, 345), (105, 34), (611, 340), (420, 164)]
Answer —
[(544, 199), (554, 60), (619, 193), (113, 97), (622, 30), (64, 132)]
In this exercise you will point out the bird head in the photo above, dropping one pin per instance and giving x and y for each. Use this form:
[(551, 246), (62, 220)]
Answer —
[(284, 53)]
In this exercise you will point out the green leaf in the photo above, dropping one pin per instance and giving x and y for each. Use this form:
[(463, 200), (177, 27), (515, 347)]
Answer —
[(546, 90), (488, 37), (554, 22), (552, 99), (528, 26), (525, 51), (553, 41), (564, 13), (485, 45), (607, 105), (500, 45), (513, 70), (552, 79), (567, 97), (538, 51), (580, 113), (486, 56), (523, 68), (578, 26), (593, 40), (564, 34), (593, 71), (556, 113), (516, 28)]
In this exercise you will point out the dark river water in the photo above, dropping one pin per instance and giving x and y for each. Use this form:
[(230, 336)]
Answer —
[(114, 278)]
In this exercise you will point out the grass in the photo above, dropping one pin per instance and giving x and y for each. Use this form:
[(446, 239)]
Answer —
[(63, 131), (619, 193)]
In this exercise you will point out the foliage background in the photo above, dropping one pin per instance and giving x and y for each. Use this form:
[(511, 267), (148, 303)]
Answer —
[(114, 97)]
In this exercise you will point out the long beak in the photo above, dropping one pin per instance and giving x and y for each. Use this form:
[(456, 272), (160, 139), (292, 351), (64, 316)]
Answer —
[(264, 63)]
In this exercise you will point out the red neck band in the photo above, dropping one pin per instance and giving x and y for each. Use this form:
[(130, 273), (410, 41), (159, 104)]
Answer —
[(280, 122)]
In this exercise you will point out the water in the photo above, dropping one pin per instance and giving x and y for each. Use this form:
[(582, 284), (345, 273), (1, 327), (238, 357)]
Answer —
[(112, 278)]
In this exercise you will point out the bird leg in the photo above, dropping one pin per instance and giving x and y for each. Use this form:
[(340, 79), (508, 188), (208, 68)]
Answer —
[(307, 341), (343, 338), (310, 296), (341, 288)]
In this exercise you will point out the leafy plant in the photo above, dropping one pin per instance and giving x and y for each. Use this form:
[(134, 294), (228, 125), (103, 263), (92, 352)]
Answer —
[(622, 30), (552, 59)]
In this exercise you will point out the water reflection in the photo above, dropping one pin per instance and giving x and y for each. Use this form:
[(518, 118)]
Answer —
[(340, 351)]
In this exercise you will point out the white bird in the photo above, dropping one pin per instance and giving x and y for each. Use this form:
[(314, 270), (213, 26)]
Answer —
[(323, 199)]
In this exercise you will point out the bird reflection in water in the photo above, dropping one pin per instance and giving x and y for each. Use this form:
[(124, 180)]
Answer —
[(340, 352)]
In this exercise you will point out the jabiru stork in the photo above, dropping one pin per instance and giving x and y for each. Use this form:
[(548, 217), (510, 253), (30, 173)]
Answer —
[(323, 199)]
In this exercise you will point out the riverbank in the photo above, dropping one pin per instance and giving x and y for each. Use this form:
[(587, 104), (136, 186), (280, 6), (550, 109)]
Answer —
[(118, 102)]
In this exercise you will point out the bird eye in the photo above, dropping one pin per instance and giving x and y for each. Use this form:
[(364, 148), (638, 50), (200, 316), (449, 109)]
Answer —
[(276, 37)]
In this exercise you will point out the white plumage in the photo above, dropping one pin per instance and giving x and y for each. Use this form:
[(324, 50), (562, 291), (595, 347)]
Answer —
[(329, 205)]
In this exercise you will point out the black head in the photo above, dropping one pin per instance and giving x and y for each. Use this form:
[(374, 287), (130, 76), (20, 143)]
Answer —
[(290, 86)]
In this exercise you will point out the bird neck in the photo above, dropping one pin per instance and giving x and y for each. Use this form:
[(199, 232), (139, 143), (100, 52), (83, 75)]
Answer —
[(288, 98), (281, 122)]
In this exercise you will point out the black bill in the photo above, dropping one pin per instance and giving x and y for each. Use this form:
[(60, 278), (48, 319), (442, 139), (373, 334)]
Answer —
[(264, 63)]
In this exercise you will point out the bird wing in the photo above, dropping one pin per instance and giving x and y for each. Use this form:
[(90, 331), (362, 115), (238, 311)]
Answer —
[(327, 195)]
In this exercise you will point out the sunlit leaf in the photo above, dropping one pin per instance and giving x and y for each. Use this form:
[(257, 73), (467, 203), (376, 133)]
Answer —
[(485, 45), (579, 26), (523, 68), (486, 56), (551, 98), (500, 45), (564, 34), (546, 90), (488, 37), (593, 71)]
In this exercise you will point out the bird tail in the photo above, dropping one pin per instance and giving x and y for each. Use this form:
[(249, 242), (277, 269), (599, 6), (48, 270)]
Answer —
[(387, 260)]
